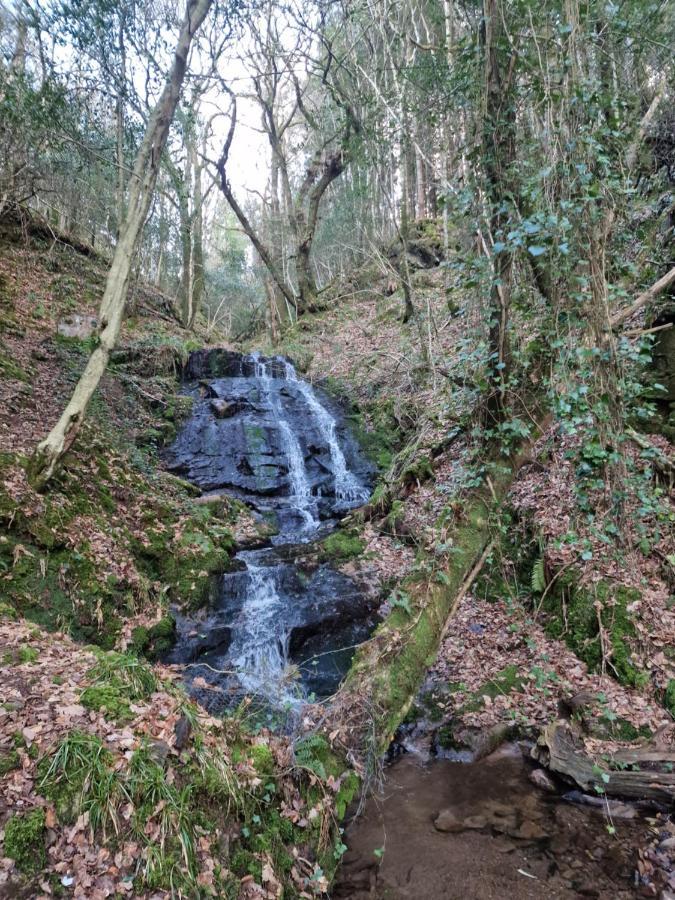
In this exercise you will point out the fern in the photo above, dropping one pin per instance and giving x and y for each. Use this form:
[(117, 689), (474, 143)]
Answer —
[(538, 579), (308, 752)]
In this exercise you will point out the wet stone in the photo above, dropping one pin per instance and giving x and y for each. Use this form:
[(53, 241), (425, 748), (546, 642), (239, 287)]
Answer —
[(279, 629)]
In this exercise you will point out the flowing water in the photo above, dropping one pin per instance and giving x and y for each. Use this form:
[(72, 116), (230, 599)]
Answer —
[(282, 625)]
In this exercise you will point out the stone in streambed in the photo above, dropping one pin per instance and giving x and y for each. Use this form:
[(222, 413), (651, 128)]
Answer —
[(447, 822), (475, 823), (529, 831), (541, 779)]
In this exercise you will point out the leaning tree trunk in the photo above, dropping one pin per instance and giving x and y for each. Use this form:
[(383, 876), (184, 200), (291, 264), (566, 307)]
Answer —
[(49, 452)]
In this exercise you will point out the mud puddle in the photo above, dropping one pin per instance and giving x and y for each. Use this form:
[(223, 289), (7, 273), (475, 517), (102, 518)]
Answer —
[(482, 830)]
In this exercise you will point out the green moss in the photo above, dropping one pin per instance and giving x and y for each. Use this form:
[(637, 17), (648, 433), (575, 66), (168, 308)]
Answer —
[(504, 682), (7, 611), (118, 678), (263, 760), (162, 637), (341, 546), (669, 697), (10, 370), (28, 655), (156, 640), (9, 761), (187, 567), (25, 841), (140, 639), (578, 625), (623, 730), (243, 862), (446, 739), (395, 516), (380, 441), (62, 589), (109, 699), (419, 471)]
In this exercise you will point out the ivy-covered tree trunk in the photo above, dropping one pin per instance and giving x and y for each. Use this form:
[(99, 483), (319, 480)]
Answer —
[(498, 156), (50, 451)]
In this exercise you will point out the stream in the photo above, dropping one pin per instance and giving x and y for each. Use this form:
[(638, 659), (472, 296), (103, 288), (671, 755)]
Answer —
[(482, 831), (282, 626)]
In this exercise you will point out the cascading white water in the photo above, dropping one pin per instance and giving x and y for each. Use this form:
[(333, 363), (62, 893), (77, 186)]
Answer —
[(297, 473), (347, 486), (259, 650)]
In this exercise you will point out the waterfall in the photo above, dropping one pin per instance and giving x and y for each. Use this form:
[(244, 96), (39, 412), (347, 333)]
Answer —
[(263, 434), (259, 651), (347, 486), (301, 491)]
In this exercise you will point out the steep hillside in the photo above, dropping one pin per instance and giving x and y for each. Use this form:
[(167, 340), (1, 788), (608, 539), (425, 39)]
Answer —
[(112, 782)]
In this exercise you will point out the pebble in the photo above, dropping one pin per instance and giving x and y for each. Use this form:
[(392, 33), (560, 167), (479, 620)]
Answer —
[(541, 779)]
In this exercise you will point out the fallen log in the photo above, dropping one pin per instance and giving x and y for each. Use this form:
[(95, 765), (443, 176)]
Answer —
[(561, 749), (388, 669)]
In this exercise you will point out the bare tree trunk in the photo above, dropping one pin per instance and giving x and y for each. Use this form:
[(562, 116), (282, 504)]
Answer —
[(197, 234), (50, 451), (119, 127), (186, 251), (276, 243), (17, 65)]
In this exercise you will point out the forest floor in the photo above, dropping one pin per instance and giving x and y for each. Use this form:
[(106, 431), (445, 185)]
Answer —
[(102, 556)]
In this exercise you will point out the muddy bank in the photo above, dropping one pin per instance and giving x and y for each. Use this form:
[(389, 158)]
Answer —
[(482, 830)]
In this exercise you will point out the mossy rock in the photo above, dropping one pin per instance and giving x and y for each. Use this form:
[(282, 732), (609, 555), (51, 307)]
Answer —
[(25, 841), (203, 550), (383, 438), (153, 642), (341, 546)]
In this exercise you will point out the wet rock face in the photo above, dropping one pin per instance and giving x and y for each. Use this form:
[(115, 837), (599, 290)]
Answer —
[(260, 433), (234, 440)]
